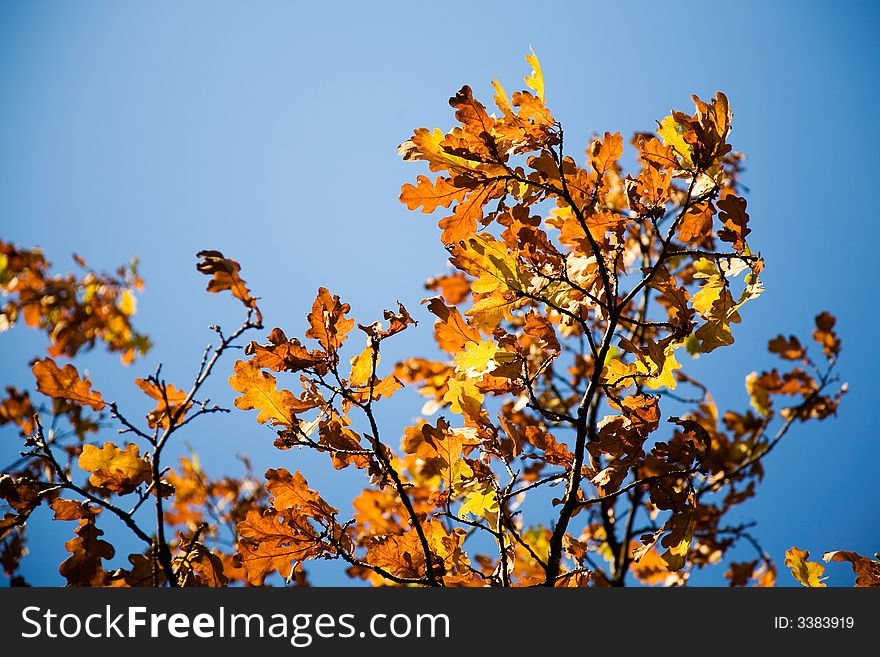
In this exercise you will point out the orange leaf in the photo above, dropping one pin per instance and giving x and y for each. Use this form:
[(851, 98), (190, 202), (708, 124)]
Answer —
[(696, 223), (430, 195), (606, 152), (65, 384), (327, 320), (452, 332), (260, 393), (170, 403)]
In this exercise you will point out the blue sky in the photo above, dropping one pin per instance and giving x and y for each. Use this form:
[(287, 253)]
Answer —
[(269, 131)]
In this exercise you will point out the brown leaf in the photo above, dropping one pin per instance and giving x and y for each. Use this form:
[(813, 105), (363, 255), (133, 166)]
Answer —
[(69, 509), (824, 334), (788, 348), (200, 567), (293, 495), (225, 276), (401, 555), (281, 354), (83, 567), (397, 322), (735, 218), (867, 570), (273, 542), (540, 327)]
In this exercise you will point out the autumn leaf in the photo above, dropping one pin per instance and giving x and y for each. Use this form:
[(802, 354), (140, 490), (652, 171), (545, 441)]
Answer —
[(120, 471), (87, 550), (465, 398), (362, 366), (281, 354), (452, 332), (826, 337), (259, 392), (199, 566), (806, 572), (69, 509), (696, 223), (454, 287), (675, 135), (480, 501), (291, 493), (401, 555), (867, 570), (224, 274), (397, 322), (328, 323), (431, 195), (788, 348), (604, 153), (535, 79), (539, 327), (170, 402), (735, 219), (65, 383), (275, 542), (480, 357)]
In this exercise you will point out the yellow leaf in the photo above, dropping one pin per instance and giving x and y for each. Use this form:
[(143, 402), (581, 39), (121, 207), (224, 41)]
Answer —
[(128, 303), (647, 372), (535, 80), (490, 261), (475, 358), (362, 367), (464, 397), (114, 469), (672, 134), (708, 295), (481, 502), (805, 572), (490, 310)]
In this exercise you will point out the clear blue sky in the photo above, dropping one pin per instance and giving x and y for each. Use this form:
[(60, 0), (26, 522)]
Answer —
[(269, 130)]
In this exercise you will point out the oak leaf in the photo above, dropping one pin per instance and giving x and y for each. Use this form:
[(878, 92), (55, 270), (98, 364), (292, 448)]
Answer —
[(429, 196), (65, 383), (83, 566), (259, 393), (735, 219), (328, 323), (867, 570), (170, 403), (120, 471), (224, 274), (806, 572)]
